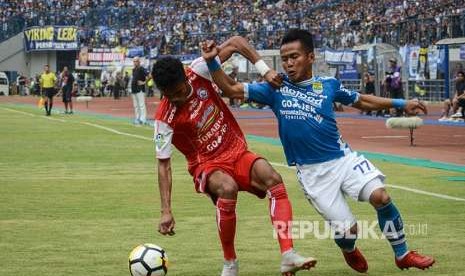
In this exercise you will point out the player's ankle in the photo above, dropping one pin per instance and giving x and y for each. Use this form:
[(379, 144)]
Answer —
[(399, 258), (288, 251)]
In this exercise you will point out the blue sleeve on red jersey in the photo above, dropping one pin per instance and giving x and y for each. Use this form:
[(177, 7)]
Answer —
[(260, 92)]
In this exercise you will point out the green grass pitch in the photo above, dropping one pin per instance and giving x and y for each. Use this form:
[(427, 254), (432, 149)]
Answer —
[(76, 198)]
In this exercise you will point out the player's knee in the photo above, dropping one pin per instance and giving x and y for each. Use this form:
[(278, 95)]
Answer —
[(273, 179), (379, 198), (228, 190)]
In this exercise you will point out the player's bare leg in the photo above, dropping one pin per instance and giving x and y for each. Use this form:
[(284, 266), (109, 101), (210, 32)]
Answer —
[(223, 189), (265, 178), (391, 225)]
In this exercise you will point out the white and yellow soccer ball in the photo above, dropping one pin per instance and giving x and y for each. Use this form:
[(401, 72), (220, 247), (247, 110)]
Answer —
[(148, 260)]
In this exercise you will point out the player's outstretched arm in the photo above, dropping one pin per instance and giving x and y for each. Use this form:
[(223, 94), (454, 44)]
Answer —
[(230, 87), (370, 102), (166, 225), (238, 44)]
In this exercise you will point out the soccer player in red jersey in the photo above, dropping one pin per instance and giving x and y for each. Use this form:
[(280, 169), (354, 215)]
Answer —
[(193, 117)]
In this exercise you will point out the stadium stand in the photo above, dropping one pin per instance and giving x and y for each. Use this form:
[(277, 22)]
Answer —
[(176, 27)]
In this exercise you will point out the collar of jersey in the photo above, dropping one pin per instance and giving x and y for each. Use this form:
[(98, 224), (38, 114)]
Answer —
[(305, 83), (302, 84)]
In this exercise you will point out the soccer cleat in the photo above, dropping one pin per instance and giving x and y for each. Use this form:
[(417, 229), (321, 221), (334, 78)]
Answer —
[(356, 260), (293, 262), (456, 115), (413, 259), (443, 119), (230, 268)]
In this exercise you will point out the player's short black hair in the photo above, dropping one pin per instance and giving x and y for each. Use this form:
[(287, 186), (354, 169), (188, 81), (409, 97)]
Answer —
[(168, 72), (305, 37), (461, 73)]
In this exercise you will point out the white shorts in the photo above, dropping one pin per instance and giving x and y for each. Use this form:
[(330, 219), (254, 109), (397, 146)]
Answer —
[(326, 184)]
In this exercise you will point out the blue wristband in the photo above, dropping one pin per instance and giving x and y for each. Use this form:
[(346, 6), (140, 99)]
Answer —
[(399, 103), (213, 65)]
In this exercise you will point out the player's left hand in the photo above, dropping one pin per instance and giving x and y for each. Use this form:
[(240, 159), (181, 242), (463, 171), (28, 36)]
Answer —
[(273, 78), (209, 50), (413, 107)]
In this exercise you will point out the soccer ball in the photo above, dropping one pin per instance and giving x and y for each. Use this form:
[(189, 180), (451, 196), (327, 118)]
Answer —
[(148, 260)]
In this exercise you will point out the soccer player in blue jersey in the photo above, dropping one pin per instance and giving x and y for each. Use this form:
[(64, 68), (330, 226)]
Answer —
[(327, 169)]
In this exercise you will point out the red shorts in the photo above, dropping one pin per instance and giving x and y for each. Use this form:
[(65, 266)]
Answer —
[(239, 169)]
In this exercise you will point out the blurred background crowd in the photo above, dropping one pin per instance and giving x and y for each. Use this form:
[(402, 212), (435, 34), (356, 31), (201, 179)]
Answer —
[(176, 27)]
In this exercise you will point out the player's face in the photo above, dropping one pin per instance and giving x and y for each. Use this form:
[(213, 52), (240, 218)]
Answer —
[(297, 61), (178, 93)]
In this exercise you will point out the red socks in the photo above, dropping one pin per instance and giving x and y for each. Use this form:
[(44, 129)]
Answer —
[(281, 215), (226, 220), (281, 218)]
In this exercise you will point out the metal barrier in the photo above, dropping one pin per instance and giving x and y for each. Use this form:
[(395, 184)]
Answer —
[(427, 90)]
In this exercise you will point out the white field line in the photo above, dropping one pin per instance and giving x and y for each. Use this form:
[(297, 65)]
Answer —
[(85, 123), (272, 163), (55, 119), (416, 191), (33, 115), (17, 111), (118, 132)]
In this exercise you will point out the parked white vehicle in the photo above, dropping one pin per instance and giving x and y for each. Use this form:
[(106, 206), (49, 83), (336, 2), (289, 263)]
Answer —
[(4, 84)]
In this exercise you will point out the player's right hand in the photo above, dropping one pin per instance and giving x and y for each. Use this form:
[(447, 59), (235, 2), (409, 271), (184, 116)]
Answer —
[(209, 50), (413, 107), (166, 225), (273, 78)]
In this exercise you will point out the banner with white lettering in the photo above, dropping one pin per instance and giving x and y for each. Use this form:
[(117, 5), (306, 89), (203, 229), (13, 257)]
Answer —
[(340, 57), (51, 38), (101, 57)]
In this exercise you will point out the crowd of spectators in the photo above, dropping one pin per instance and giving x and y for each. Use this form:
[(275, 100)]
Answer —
[(177, 27)]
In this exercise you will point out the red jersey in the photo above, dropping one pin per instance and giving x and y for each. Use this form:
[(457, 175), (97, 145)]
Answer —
[(203, 129)]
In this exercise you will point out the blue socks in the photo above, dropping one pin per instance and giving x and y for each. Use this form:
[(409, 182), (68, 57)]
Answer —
[(392, 227)]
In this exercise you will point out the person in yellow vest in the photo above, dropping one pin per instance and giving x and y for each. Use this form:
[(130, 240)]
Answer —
[(47, 88), (150, 84)]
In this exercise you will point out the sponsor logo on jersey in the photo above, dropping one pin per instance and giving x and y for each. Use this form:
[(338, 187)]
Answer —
[(160, 141), (309, 99), (218, 126), (208, 117), (317, 87), (171, 115), (218, 140), (202, 93), (196, 111), (193, 104)]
